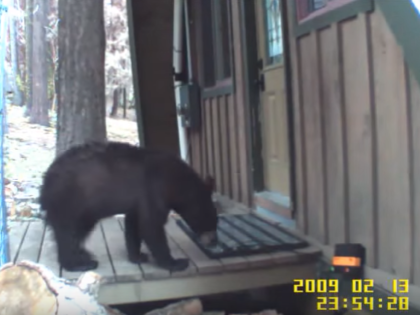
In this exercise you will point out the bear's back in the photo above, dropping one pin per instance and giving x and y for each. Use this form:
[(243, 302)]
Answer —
[(118, 173)]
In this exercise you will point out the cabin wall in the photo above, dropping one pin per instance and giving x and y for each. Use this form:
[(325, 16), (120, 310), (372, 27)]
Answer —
[(356, 125), (219, 147)]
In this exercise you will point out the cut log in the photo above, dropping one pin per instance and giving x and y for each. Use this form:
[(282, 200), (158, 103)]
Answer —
[(28, 288), (187, 307)]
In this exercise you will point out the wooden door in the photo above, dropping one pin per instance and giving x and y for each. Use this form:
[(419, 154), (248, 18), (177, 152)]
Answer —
[(273, 110)]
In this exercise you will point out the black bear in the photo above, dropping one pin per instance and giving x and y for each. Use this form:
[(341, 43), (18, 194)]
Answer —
[(97, 180)]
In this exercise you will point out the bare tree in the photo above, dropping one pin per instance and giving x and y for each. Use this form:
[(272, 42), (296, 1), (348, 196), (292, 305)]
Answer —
[(81, 73), (53, 57), (28, 39), (40, 104), (117, 57), (20, 29), (14, 62)]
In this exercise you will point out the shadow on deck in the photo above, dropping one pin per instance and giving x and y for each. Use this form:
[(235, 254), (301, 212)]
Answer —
[(129, 283)]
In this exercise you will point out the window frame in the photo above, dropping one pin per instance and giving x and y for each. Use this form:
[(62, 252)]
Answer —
[(334, 11), (216, 78)]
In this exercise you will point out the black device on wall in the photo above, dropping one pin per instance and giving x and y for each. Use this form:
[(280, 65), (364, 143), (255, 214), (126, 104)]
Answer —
[(349, 260), (189, 107)]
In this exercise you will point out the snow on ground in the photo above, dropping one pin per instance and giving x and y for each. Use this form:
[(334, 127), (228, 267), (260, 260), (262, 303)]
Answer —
[(29, 149)]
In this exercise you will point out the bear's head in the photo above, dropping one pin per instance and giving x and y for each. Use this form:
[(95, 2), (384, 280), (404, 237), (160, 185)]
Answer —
[(200, 212)]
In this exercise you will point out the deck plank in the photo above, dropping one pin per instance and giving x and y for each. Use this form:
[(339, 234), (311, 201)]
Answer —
[(235, 263), (150, 270), (107, 243), (124, 270), (310, 252), (297, 256), (200, 260), (16, 231), (96, 245), (31, 246), (260, 260), (48, 255)]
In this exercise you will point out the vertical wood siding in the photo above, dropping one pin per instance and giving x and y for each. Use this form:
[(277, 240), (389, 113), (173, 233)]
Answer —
[(214, 149), (219, 147), (357, 136)]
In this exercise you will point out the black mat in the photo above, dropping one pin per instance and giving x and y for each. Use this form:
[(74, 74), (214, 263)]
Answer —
[(246, 234)]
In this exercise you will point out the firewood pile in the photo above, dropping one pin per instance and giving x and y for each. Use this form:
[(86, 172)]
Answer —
[(28, 288)]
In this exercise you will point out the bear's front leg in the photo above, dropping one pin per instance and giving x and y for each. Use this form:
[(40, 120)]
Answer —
[(71, 255), (155, 238), (133, 239)]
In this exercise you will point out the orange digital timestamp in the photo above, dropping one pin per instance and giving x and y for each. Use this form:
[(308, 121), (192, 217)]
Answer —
[(346, 261), (315, 286)]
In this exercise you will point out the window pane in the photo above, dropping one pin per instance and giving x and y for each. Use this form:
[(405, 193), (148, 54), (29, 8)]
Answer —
[(317, 4), (221, 38), (273, 30)]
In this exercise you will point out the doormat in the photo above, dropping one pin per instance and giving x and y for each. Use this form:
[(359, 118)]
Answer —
[(246, 234)]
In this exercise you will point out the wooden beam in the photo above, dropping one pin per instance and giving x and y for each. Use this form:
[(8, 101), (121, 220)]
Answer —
[(151, 39), (174, 288)]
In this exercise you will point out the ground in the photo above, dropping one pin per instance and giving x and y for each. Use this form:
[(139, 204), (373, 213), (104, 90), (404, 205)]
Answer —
[(29, 150)]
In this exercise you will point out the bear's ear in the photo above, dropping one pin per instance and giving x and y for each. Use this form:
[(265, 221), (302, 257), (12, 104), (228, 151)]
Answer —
[(210, 183)]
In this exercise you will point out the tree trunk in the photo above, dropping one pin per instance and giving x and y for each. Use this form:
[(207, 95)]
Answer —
[(115, 103), (124, 102), (40, 104), (17, 93), (28, 39), (54, 63), (21, 46), (81, 73)]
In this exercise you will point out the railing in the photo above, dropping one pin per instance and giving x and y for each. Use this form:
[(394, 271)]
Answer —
[(4, 242)]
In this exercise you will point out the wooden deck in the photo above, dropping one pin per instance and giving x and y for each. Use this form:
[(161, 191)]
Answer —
[(129, 283)]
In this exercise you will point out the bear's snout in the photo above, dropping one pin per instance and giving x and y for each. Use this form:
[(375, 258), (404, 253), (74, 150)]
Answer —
[(209, 238)]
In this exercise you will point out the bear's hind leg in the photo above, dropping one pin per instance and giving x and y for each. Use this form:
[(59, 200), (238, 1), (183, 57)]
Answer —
[(155, 239), (133, 239), (71, 255)]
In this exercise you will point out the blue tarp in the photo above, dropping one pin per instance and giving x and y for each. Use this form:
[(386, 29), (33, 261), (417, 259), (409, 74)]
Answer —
[(4, 242)]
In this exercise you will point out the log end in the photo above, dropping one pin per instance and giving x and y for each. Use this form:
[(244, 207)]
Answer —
[(24, 291)]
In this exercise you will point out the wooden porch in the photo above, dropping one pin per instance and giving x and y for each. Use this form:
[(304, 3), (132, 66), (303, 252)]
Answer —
[(129, 283)]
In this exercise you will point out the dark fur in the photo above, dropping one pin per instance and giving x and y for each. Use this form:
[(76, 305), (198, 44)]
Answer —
[(97, 180)]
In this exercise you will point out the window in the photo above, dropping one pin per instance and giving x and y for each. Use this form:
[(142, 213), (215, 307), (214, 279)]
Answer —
[(314, 15), (273, 31), (310, 8), (216, 43), (317, 4)]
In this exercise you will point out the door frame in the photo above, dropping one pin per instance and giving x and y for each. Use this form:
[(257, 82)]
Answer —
[(252, 95)]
